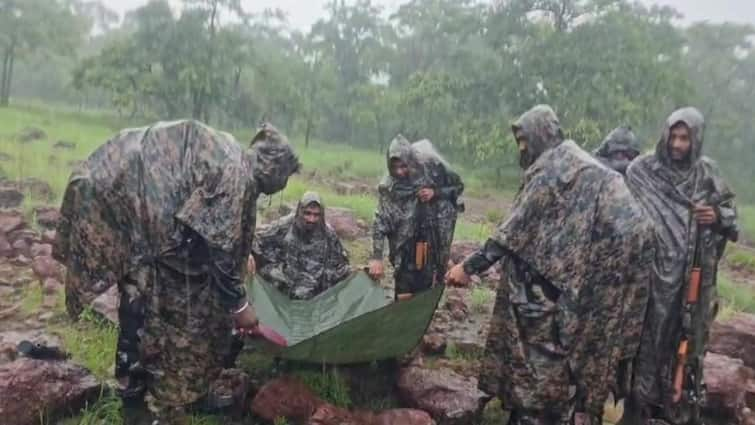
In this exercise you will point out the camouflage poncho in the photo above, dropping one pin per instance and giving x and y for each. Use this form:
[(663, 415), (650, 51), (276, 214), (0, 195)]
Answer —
[(402, 218), (300, 264), (167, 213), (667, 191), (618, 149), (574, 247)]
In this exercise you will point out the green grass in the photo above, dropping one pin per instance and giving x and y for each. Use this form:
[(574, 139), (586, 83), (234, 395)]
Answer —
[(735, 297), (328, 384), (91, 342), (747, 222), (32, 298), (740, 257), (482, 299)]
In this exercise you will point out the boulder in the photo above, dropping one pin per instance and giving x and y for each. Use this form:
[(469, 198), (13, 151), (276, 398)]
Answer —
[(37, 388), (40, 250), (106, 304), (21, 261), (51, 286), (285, 397), (456, 304), (735, 338), (30, 134), (21, 247), (10, 221), (345, 223), (46, 267), (48, 236), (434, 343), (449, 397), (727, 382), (10, 197), (6, 250), (47, 217), (289, 398)]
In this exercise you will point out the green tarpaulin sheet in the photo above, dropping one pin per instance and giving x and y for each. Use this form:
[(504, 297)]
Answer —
[(354, 322)]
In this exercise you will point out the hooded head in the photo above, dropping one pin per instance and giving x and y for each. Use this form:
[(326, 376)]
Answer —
[(401, 160), (682, 142), (310, 213), (536, 131), (274, 159), (619, 148)]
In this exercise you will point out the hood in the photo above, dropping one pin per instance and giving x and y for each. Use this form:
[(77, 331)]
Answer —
[(274, 159), (542, 129), (619, 140), (306, 200), (400, 148), (694, 120)]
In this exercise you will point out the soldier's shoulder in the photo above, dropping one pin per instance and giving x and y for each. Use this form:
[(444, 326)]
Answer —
[(709, 163)]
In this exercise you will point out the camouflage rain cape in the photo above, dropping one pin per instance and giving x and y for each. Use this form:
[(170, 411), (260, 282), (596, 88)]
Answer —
[(571, 304), (667, 192), (352, 322)]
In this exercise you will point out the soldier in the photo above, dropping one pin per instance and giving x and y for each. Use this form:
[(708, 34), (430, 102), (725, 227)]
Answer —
[(300, 253), (618, 149), (416, 212), (560, 323), (167, 213), (694, 214)]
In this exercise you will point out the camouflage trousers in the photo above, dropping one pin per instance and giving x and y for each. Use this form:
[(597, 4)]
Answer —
[(187, 336)]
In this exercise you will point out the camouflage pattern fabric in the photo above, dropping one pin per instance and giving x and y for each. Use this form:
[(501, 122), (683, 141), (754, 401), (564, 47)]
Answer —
[(167, 212), (298, 262), (667, 190), (618, 149), (576, 248), (403, 220)]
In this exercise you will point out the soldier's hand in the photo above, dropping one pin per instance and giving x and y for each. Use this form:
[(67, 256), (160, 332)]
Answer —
[(426, 194), (376, 269), (251, 266), (705, 214), (246, 319), (457, 276)]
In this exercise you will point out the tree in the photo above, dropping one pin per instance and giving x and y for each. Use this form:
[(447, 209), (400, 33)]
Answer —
[(28, 26)]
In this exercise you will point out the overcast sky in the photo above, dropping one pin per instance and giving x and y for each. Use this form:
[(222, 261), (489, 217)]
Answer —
[(302, 13)]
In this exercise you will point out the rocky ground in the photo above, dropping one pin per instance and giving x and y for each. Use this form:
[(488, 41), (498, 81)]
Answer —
[(437, 384)]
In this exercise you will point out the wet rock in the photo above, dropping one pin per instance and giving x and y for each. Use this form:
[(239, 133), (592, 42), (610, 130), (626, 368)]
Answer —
[(10, 221), (434, 343), (40, 249), (30, 134), (21, 261), (46, 267), (449, 397), (106, 304), (51, 286), (6, 250), (47, 217), (289, 398), (10, 197), (735, 338), (727, 381), (456, 304), (48, 236), (345, 223), (40, 190), (21, 247), (62, 144), (36, 388), (285, 397)]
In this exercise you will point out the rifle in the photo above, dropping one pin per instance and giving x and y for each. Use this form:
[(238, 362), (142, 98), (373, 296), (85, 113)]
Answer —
[(684, 368)]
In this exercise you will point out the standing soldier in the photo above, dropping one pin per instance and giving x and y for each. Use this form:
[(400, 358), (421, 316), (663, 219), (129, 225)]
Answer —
[(575, 248), (416, 212), (300, 253), (693, 211), (167, 213), (618, 149)]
